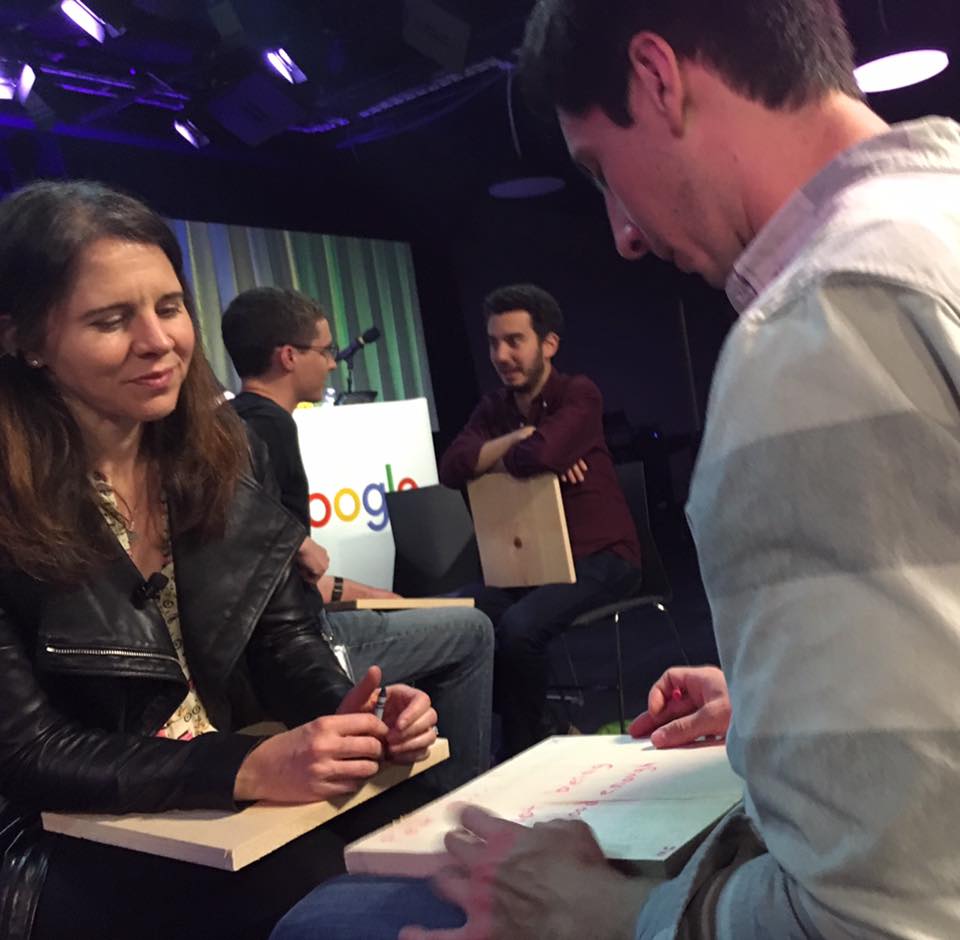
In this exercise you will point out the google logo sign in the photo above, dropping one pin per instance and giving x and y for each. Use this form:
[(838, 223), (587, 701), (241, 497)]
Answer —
[(347, 503)]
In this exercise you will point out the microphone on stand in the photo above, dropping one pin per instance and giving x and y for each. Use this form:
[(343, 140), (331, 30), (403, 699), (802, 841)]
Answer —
[(346, 355), (368, 336)]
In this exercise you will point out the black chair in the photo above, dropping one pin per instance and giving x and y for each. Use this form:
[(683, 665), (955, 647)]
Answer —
[(655, 591), (436, 550)]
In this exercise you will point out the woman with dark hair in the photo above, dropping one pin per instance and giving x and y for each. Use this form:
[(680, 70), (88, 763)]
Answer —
[(148, 605)]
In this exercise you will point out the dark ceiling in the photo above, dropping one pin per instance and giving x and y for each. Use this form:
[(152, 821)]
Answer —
[(418, 91), (374, 67)]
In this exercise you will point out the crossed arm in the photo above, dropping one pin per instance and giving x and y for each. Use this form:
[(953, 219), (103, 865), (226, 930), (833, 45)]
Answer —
[(557, 444)]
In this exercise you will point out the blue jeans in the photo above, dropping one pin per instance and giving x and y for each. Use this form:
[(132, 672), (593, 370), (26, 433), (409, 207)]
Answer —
[(366, 907), (447, 652)]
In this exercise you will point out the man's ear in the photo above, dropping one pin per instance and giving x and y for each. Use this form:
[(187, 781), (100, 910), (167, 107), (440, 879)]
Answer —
[(285, 358), (656, 81), (550, 345)]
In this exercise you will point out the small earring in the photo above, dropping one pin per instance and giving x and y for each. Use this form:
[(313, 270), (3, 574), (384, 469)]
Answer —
[(33, 362)]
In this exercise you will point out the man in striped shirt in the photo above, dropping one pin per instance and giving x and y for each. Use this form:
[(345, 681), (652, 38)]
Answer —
[(731, 139)]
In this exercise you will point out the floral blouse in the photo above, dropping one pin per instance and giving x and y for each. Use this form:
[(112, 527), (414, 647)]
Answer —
[(190, 718)]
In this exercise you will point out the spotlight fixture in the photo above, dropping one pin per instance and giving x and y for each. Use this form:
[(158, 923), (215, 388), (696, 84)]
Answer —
[(191, 133), (16, 81), (901, 70), (289, 69), (92, 24)]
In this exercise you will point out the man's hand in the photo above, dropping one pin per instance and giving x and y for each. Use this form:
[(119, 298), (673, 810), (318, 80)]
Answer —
[(576, 474), (378, 594), (410, 719), (312, 560), (516, 883), (352, 590), (684, 704)]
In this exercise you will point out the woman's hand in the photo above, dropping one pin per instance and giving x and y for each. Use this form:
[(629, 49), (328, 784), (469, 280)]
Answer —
[(327, 757), (410, 718)]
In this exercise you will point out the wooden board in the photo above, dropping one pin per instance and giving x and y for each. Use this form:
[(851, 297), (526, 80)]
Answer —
[(649, 809), (398, 603), (521, 530), (229, 840)]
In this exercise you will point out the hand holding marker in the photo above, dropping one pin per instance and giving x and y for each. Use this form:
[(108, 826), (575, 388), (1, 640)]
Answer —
[(381, 704)]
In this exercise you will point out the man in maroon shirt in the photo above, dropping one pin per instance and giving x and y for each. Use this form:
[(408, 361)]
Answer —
[(542, 421)]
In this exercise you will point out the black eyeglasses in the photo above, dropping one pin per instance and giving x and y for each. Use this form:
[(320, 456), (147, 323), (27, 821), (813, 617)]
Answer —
[(332, 349)]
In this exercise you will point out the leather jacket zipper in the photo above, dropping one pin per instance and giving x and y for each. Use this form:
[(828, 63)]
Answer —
[(80, 651)]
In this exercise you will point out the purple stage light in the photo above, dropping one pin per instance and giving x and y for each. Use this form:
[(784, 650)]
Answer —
[(191, 133), (900, 70), (324, 127), (25, 85), (85, 76), (289, 69), (85, 18), (86, 90), (16, 81)]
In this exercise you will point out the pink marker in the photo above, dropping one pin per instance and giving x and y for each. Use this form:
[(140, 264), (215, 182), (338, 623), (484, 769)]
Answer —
[(677, 695)]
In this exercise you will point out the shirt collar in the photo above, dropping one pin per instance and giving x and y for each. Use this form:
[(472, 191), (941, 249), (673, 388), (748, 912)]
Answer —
[(548, 394), (927, 144)]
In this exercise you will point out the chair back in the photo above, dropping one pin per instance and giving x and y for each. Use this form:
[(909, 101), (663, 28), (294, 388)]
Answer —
[(633, 484), (436, 550)]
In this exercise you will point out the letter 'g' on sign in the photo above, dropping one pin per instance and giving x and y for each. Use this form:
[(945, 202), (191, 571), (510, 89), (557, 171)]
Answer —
[(347, 503), (375, 503)]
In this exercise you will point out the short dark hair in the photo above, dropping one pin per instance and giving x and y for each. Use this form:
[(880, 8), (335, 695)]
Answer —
[(781, 53), (545, 313), (259, 320)]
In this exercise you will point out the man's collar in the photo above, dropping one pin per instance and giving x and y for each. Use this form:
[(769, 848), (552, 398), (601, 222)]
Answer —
[(547, 394), (265, 392), (927, 144)]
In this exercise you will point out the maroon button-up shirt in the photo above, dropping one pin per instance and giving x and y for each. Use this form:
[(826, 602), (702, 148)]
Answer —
[(568, 416)]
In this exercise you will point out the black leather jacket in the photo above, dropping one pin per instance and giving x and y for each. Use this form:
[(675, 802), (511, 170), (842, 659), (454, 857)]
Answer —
[(88, 676)]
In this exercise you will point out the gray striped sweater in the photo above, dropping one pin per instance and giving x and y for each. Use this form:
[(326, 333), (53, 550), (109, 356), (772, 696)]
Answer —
[(826, 511)]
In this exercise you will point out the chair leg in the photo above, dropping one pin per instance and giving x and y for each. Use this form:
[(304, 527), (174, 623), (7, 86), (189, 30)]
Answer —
[(575, 682), (561, 693), (620, 704), (676, 635), (574, 679)]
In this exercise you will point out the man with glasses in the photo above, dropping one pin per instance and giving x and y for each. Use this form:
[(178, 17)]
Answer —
[(282, 348)]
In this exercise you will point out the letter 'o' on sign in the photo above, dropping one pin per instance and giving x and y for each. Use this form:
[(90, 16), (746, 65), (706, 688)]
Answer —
[(327, 511), (338, 505)]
